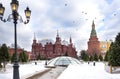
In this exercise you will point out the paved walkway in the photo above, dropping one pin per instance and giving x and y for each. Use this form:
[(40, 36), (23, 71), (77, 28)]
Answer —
[(52, 74)]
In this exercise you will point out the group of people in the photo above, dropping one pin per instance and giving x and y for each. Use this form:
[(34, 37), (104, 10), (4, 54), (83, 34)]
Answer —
[(93, 63)]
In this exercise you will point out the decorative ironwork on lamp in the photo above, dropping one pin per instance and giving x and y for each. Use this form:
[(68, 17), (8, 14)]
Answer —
[(15, 17)]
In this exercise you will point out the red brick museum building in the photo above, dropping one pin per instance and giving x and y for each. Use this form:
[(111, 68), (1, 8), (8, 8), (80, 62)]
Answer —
[(51, 50)]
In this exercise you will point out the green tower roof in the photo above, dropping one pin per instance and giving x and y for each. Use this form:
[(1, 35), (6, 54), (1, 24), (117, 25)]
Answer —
[(93, 31)]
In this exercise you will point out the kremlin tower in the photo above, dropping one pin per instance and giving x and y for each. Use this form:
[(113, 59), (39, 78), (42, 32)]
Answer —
[(93, 43)]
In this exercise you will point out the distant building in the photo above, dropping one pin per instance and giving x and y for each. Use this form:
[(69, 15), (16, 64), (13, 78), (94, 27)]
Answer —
[(96, 46), (11, 50), (51, 50), (104, 47), (93, 43)]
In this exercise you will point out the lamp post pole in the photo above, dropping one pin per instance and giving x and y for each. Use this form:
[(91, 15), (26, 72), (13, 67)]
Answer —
[(16, 65), (15, 17)]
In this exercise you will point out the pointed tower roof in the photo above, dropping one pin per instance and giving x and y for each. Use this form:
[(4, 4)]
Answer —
[(57, 34), (70, 39), (58, 40), (93, 31), (93, 25), (34, 37)]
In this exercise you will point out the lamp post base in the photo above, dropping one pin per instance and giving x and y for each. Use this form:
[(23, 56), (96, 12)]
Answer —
[(16, 71)]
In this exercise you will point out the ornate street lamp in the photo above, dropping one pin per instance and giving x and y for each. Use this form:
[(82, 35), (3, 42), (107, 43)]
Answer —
[(15, 17)]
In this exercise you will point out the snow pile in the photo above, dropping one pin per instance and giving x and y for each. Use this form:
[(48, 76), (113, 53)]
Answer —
[(87, 71), (25, 70)]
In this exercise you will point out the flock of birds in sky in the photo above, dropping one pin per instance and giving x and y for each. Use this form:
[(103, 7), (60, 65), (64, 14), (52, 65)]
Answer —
[(85, 13), (111, 15)]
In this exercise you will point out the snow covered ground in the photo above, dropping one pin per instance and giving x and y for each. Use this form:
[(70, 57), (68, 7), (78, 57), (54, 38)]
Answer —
[(83, 71), (88, 71), (25, 70)]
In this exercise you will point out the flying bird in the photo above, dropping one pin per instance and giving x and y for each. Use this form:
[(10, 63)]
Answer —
[(114, 14), (65, 4), (73, 21)]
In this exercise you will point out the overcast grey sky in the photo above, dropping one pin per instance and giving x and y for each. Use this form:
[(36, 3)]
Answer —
[(70, 17)]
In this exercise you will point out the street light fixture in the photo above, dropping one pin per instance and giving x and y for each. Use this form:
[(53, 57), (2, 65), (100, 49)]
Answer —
[(27, 14), (2, 9), (15, 16), (14, 5)]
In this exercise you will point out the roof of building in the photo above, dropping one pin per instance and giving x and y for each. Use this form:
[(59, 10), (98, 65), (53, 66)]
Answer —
[(93, 31), (13, 46), (44, 41)]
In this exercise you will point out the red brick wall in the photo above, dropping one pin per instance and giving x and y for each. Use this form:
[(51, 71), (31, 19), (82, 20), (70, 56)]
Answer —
[(54, 50), (93, 46)]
